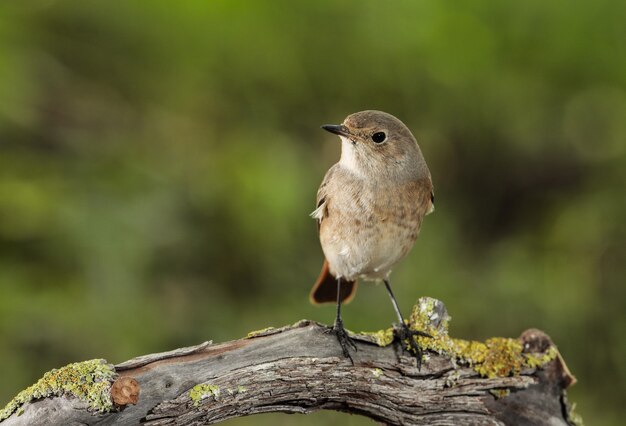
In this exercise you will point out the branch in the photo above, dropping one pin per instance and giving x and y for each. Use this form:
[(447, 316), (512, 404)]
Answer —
[(300, 369)]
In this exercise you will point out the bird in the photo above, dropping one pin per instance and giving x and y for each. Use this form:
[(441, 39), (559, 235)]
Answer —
[(369, 211)]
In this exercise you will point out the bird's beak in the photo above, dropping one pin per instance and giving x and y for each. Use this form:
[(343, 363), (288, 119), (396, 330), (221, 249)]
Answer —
[(338, 129)]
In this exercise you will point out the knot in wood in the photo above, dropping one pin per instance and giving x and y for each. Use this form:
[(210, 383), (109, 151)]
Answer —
[(534, 340), (124, 391)]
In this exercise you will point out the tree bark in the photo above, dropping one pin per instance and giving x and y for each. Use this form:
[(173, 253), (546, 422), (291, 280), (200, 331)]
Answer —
[(301, 369)]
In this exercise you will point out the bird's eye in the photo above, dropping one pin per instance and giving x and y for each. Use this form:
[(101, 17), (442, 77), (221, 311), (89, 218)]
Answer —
[(379, 137)]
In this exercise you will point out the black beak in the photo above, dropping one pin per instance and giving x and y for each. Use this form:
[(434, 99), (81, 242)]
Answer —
[(338, 129)]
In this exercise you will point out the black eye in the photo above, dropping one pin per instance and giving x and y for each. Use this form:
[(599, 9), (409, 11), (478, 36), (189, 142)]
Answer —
[(379, 137)]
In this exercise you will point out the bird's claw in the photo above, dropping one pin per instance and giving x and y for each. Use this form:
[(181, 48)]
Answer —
[(408, 341), (344, 340)]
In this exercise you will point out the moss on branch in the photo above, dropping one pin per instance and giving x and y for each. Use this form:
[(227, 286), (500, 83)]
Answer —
[(89, 381), (496, 357)]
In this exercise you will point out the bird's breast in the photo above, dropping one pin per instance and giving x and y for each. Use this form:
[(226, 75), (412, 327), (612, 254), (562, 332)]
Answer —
[(369, 228)]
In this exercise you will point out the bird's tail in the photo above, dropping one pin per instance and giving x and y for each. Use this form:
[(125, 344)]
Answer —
[(325, 288)]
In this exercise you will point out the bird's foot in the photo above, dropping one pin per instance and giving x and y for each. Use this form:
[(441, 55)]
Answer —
[(344, 340), (408, 341)]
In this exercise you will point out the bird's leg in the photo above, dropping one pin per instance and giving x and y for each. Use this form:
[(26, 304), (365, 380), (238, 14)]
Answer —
[(344, 340), (408, 337)]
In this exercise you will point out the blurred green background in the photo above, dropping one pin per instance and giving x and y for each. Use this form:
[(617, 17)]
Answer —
[(158, 162)]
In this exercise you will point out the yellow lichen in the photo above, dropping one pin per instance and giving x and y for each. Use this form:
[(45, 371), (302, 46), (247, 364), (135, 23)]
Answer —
[(89, 381), (496, 357), (203, 391), (500, 392), (573, 417), (258, 332), (537, 360), (381, 337), (424, 315), (500, 357)]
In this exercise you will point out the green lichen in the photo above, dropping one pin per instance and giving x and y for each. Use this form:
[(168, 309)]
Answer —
[(537, 360), (452, 379), (377, 372), (203, 391), (256, 333), (496, 357), (89, 381), (235, 391)]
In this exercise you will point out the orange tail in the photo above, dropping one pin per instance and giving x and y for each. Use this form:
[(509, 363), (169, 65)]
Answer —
[(325, 288)]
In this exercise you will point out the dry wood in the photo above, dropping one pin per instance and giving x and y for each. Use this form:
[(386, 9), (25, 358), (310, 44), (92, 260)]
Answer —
[(300, 369)]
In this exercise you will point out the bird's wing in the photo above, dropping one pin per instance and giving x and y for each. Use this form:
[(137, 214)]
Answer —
[(432, 202), (321, 211)]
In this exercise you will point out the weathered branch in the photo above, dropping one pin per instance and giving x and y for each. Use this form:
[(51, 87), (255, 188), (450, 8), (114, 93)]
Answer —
[(300, 369)]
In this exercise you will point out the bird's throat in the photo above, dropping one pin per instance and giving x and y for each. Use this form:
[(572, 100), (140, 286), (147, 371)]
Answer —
[(349, 157)]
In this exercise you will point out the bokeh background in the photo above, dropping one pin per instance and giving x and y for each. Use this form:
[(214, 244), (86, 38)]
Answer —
[(158, 162)]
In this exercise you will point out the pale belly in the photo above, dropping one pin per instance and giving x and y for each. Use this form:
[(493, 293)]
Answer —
[(365, 240)]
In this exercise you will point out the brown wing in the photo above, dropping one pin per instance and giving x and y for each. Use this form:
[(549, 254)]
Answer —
[(325, 288), (322, 201)]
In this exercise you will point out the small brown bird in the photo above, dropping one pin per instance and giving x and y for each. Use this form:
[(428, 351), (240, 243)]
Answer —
[(369, 211)]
